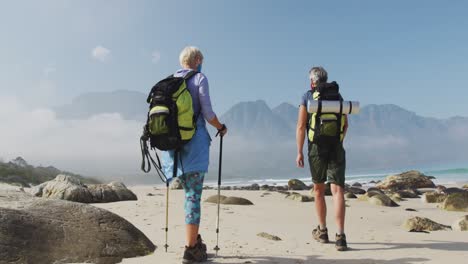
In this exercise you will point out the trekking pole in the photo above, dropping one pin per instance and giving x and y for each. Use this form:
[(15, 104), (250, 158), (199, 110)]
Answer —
[(219, 191), (174, 175)]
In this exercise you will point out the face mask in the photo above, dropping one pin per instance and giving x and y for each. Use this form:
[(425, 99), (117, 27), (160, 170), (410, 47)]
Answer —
[(199, 67)]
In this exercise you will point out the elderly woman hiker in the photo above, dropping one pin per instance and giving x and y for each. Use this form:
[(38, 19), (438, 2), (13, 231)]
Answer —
[(192, 163)]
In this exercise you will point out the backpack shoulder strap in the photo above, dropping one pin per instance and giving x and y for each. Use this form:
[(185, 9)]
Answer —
[(190, 74)]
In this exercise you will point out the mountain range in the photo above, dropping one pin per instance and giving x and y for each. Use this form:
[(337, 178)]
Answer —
[(262, 139)]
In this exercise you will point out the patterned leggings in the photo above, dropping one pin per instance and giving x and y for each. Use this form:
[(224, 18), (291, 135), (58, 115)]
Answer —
[(193, 186)]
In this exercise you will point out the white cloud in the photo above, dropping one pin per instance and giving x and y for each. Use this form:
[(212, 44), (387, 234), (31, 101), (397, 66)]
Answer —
[(103, 144), (100, 53), (155, 56)]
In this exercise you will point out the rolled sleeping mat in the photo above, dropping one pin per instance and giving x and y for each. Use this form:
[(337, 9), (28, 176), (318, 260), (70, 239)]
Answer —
[(349, 107)]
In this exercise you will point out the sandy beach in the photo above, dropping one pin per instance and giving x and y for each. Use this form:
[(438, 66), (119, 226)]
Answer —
[(375, 234)]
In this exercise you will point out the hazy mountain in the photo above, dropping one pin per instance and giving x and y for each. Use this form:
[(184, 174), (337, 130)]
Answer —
[(131, 105), (262, 140)]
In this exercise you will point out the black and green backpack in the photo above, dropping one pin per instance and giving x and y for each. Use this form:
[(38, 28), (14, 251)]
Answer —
[(171, 122), (323, 127)]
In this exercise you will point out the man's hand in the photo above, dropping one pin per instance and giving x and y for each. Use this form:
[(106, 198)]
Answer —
[(300, 160)]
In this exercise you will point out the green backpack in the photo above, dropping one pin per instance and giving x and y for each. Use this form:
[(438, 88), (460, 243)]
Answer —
[(171, 121)]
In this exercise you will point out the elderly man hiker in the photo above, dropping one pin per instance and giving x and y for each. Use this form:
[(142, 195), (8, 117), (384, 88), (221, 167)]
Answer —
[(326, 155)]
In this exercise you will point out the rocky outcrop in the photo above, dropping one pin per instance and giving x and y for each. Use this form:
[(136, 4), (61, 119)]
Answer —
[(350, 195), (68, 188), (228, 200), (407, 180), (461, 224), (44, 231), (418, 224), (297, 185), (456, 202)]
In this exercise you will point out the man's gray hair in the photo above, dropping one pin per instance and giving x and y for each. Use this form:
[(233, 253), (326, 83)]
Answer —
[(318, 75)]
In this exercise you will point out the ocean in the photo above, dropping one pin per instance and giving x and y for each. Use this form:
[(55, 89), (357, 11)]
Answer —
[(442, 176)]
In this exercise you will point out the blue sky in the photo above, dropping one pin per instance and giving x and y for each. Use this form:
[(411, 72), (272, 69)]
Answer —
[(410, 53)]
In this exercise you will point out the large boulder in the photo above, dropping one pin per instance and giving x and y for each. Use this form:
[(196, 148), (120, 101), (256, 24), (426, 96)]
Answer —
[(350, 195), (456, 202), (461, 224), (433, 197), (406, 180), (44, 231), (297, 185), (68, 188), (419, 224), (112, 192)]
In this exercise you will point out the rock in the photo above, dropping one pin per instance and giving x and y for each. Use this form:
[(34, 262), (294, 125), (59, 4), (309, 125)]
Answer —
[(297, 185), (356, 184), (373, 182), (268, 236), (465, 186), (265, 187), (255, 187), (408, 194), (214, 199), (37, 190), (453, 190), (299, 197), (356, 190), (374, 189), (228, 200), (372, 193), (226, 188), (350, 195), (43, 231), (68, 188), (176, 184), (396, 197), (382, 200), (461, 224), (112, 192), (431, 177), (149, 194), (236, 201), (406, 180), (410, 210), (425, 190), (419, 224), (433, 197), (440, 188), (456, 202)]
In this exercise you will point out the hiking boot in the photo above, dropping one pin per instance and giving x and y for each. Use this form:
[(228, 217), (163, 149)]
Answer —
[(340, 243), (200, 244), (194, 254), (321, 235)]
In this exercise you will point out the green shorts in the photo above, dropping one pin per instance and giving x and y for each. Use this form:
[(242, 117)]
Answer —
[(327, 163)]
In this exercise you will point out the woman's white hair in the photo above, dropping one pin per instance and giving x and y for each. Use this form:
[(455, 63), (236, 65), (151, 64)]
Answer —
[(189, 55), (318, 75)]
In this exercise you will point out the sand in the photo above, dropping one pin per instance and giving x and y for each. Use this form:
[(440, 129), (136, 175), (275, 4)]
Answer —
[(374, 233)]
